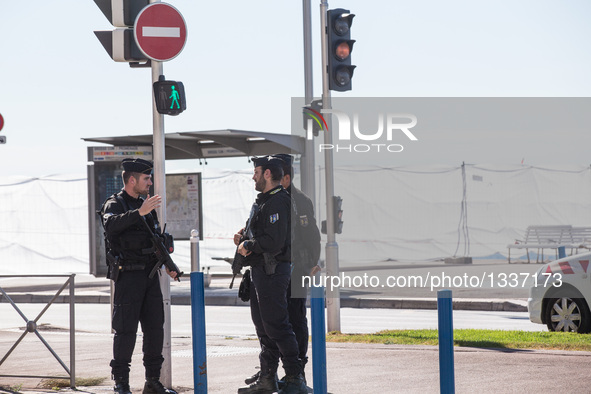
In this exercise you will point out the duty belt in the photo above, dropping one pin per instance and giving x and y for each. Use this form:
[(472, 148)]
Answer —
[(148, 250), (132, 267)]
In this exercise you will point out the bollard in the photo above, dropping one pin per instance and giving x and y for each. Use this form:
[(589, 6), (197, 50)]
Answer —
[(446, 342), (198, 324), (194, 241), (318, 340), (561, 252)]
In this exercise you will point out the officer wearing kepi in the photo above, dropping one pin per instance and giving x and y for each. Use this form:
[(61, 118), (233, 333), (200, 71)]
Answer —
[(131, 256), (305, 252), (268, 253)]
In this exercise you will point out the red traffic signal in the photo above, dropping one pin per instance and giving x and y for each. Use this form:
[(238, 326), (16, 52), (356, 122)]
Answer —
[(340, 46)]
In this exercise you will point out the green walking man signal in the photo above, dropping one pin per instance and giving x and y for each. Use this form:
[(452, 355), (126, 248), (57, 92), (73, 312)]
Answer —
[(169, 97)]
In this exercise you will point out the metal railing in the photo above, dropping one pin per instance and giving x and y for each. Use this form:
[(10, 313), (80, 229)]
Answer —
[(31, 327)]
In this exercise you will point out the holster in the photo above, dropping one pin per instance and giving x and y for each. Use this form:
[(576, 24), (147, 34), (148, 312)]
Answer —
[(270, 263), (244, 289), (114, 266)]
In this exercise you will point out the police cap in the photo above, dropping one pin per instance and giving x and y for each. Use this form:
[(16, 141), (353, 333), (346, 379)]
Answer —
[(288, 159), (267, 162), (137, 165)]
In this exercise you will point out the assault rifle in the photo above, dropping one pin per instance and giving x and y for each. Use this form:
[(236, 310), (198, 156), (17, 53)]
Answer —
[(162, 253), (239, 260)]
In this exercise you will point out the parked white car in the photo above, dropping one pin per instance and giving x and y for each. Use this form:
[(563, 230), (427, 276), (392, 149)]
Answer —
[(561, 295)]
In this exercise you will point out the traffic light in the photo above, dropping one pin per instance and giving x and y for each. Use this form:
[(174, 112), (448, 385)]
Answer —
[(338, 216), (121, 13), (169, 97), (120, 43), (340, 46)]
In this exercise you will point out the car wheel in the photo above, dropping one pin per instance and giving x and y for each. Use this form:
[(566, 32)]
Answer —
[(568, 315)]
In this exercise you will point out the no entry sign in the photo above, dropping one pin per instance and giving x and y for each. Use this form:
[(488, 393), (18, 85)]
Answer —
[(1, 122), (160, 31)]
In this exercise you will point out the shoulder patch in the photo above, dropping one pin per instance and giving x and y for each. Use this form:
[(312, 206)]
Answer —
[(273, 218), (304, 220)]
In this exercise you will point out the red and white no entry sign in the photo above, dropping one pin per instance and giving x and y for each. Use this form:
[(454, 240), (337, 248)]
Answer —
[(160, 31), (1, 122)]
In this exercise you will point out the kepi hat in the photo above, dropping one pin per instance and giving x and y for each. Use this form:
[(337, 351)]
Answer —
[(137, 165)]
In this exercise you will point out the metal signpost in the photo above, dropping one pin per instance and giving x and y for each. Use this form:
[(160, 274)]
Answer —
[(160, 33), (333, 300)]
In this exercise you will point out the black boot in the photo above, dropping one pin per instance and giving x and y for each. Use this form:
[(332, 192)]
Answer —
[(294, 384), (265, 384), (153, 386), (303, 361), (122, 386), (253, 378)]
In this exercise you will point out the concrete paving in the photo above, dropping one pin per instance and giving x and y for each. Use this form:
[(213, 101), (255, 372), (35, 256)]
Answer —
[(351, 368)]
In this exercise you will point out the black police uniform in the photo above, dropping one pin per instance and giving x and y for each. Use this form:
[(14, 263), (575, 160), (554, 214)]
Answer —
[(268, 296), (138, 298), (305, 250)]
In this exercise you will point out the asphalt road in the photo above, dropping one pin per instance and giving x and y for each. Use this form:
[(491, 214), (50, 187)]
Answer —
[(235, 321)]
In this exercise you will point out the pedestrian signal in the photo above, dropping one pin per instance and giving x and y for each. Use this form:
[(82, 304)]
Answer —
[(169, 97)]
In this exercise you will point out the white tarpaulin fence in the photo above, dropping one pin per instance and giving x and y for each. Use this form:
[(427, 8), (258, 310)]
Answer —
[(418, 213), (401, 214)]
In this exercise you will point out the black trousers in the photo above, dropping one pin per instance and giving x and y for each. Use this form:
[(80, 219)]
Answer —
[(268, 308), (138, 299), (296, 308)]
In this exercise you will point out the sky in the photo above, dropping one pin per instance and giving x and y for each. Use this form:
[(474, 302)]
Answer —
[(243, 61)]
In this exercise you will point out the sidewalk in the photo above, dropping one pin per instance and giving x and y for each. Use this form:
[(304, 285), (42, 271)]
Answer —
[(351, 368), (89, 289)]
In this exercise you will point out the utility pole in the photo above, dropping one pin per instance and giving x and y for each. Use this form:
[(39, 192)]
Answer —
[(333, 300), (307, 160)]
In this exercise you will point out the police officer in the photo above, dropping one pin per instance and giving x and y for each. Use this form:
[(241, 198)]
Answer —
[(305, 251), (138, 299), (268, 253)]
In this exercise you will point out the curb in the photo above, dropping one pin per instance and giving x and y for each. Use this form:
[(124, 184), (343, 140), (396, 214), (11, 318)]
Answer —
[(231, 300)]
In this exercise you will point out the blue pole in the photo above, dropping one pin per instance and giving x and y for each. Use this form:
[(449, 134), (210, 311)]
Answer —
[(318, 340), (198, 323), (561, 252), (446, 342)]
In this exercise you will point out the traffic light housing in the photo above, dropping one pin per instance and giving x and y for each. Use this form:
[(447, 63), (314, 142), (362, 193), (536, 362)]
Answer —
[(340, 46), (121, 13), (169, 97), (120, 43), (338, 216)]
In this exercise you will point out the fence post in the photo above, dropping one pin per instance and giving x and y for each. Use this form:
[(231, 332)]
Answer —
[(72, 332), (561, 252)]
